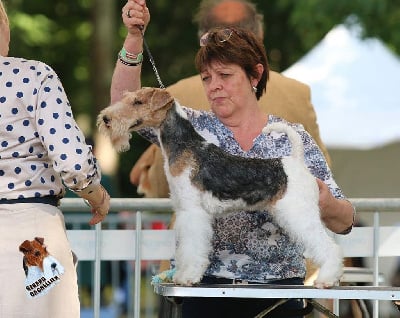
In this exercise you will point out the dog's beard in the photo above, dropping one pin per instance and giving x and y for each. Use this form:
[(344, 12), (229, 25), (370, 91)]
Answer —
[(119, 136), (121, 143)]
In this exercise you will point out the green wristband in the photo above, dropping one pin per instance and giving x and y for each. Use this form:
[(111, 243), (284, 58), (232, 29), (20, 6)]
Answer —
[(127, 58)]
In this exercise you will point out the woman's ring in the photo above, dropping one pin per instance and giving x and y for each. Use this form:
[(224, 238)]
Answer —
[(128, 13)]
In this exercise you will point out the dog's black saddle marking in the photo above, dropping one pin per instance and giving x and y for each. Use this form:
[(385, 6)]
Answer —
[(225, 175)]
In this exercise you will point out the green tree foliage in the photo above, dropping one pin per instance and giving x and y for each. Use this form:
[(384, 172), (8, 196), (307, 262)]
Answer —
[(58, 33), (62, 34)]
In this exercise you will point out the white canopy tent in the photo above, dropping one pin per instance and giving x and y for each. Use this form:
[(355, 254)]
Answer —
[(355, 86)]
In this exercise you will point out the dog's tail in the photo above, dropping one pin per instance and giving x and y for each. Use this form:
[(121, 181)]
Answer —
[(294, 137)]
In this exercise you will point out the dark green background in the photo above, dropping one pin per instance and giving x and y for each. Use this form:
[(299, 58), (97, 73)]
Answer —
[(81, 38)]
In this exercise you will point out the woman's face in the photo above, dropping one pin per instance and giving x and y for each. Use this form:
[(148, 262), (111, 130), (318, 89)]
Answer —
[(228, 88), (4, 38)]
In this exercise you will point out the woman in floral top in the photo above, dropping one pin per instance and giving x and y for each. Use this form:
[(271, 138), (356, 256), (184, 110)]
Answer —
[(247, 246)]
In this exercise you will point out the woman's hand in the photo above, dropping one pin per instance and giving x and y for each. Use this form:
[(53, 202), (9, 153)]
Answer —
[(326, 199), (136, 16), (338, 215), (98, 199), (100, 207)]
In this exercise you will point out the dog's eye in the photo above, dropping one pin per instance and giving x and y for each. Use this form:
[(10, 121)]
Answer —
[(137, 102), (37, 253)]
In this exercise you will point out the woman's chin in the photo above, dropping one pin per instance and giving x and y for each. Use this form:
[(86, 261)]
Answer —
[(221, 110)]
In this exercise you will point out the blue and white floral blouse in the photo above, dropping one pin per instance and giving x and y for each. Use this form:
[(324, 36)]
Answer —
[(247, 245), (41, 146)]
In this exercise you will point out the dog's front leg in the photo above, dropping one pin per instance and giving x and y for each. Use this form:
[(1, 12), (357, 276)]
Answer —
[(194, 232)]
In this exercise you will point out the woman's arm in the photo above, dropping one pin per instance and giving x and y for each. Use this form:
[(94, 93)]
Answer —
[(126, 76), (337, 214)]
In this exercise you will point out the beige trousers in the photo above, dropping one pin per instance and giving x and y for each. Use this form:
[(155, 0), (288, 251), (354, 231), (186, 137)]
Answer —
[(25, 221)]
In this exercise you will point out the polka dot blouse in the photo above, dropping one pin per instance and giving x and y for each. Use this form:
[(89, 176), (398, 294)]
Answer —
[(41, 147)]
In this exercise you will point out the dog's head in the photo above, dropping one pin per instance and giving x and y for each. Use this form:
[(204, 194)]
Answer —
[(34, 252), (146, 107)]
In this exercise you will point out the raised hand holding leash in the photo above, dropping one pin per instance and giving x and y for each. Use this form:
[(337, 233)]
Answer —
[(153, 64)]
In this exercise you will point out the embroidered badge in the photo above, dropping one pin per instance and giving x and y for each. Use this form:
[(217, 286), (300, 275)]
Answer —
[(42, 270)]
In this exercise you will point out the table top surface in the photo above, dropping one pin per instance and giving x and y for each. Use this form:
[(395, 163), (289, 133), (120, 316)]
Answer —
[(279, 291)]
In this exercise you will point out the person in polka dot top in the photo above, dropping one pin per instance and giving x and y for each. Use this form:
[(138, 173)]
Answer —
[(42, 151)]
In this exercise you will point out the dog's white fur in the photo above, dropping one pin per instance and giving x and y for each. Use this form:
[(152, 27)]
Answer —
[(294, 202)]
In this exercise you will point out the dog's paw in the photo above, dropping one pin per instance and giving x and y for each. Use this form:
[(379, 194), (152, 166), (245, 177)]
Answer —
[(325, 285), (183, 282), (182, 278), (186, 284)]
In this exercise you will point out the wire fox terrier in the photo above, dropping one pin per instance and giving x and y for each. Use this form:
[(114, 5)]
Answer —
[(206, 182), (34, 253)]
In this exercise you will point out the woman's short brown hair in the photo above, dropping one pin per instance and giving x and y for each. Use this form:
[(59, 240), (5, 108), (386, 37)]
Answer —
[(234, 46)]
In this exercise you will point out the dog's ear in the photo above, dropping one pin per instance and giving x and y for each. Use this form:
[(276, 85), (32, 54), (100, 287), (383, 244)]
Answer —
[(40, 240), (25, 246), (25, 266), (161, 98)]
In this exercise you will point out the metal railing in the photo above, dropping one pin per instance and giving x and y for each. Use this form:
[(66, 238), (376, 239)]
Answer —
[(140, 206)]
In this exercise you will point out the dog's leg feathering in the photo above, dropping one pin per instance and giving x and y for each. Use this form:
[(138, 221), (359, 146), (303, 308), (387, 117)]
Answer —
[(194, 233), (300, 218)]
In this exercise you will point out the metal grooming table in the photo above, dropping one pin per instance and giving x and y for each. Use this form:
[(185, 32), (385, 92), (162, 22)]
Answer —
[(280, 291), (283, 292)]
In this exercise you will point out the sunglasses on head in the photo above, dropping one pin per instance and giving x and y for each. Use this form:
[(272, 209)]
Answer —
[(221, 35)]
